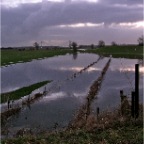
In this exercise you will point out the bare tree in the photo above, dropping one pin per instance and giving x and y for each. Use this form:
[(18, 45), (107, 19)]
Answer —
[(140, 41), (74, 46), (36, 45), (101, 43), (92, 46), (113, 43)]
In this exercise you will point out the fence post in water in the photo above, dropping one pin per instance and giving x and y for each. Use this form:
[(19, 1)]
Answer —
[(97, 112), (121, 95), (137, 90), (133, 105), (8, 103)]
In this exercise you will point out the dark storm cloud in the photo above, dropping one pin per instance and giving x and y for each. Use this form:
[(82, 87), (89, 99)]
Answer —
[(27, 20)]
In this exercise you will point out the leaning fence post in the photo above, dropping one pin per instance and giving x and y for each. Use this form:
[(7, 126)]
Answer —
[(137, 90), (133, 104)]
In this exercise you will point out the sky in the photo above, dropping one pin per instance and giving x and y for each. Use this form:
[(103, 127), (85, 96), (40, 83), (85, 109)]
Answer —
[(56, 22)]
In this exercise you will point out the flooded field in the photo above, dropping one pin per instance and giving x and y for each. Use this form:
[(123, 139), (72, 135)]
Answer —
[(72, 77)]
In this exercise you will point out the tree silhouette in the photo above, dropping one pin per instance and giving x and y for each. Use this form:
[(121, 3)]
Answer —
[(36, 45), (74, 46), (101, 43), (92, 46), (140, 41), (113, 43)]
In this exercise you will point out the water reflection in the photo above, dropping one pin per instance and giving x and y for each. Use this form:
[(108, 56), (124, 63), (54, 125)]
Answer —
[(63, 101), (141, 62), (75, 55)]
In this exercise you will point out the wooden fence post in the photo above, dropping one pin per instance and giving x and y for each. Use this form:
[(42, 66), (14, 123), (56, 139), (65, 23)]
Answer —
[(98, 110), (133, 104), (137, 90)]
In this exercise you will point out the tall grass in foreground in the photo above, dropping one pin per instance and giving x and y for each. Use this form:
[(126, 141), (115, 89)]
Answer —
[(108, 128), (17, 94)]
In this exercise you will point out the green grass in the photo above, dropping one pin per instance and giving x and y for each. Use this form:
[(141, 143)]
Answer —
[(17, 94), (14, 56), (120, 51), (8, 56)]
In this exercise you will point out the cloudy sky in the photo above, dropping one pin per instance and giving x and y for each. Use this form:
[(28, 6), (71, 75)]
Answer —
[(55, 22)]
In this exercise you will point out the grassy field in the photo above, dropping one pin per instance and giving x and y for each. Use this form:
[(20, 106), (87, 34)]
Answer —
[(14, 56), (119, 51), (8, 56), (17, 94)]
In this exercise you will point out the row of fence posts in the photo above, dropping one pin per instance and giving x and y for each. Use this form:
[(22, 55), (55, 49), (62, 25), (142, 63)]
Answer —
[(134, 97)]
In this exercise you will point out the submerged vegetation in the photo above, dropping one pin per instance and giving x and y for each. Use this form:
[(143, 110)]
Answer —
[(17, 94)]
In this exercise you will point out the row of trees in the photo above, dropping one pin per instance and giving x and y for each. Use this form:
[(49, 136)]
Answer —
[(101, 43)]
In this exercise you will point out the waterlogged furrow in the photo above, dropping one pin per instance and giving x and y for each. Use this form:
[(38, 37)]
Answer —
[(83, 113), (57, 84)]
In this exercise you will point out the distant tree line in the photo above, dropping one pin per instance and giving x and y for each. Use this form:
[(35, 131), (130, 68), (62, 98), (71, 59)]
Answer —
[(73, 45)]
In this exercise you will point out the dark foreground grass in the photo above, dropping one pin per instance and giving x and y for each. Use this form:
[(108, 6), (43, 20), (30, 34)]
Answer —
[(14, 56), (120, 51), (107, 128), (124, 135), (127, 132), (17, 94)]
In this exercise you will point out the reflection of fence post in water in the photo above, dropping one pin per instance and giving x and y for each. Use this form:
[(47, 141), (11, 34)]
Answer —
[(137, 90)]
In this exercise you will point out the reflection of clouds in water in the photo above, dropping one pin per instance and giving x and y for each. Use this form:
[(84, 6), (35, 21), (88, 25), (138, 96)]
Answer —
[(125, 65), (79, 94), (53, 96), (131, 69), (62, 94), (77, 69)]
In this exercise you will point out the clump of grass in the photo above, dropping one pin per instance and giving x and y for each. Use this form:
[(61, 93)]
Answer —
[(17, 94)]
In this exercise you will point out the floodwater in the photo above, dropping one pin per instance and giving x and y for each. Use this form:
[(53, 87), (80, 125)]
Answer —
[(68, 93)]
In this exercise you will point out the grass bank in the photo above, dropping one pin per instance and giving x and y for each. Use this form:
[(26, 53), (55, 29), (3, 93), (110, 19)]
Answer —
[(109, 128), (17, 94), (15, 56), (119, 51)]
